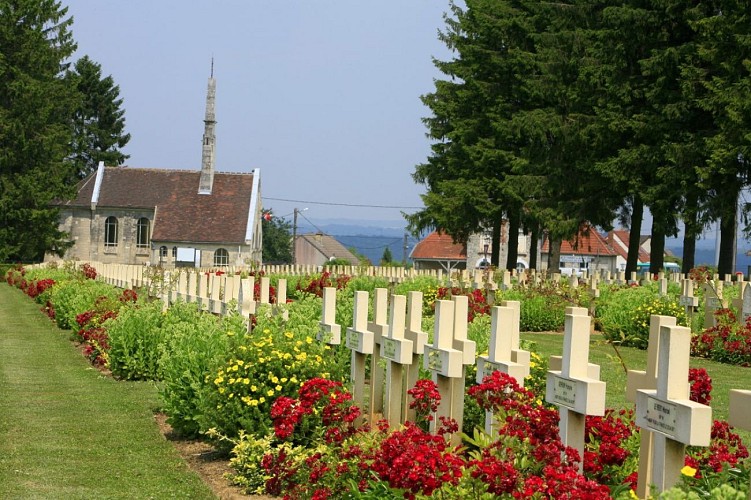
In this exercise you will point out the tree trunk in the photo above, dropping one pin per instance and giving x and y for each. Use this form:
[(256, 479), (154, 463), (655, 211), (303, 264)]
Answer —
[(690, 233), (514, 220), (496, 243), (637, 214), (554, 255), (726, 264), (657, 252), (534, 236)]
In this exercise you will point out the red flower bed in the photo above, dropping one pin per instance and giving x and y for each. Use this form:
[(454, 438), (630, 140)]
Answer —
[(727, 342)]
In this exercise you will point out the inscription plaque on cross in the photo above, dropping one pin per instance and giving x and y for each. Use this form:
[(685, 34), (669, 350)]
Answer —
[(647, 379), (571, 389), (444, 362), (418, 338), (499, 353), (667, 411), (397, 350), (740, 413), (329, 331), (360, 342)]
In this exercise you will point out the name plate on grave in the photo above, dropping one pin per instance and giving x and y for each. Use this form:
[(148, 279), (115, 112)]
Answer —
[(330, 334), (443, 362), (397, 350), (661, 416), (713, 303), (361, 342), (564, 392), (687, 301), (488, 367)]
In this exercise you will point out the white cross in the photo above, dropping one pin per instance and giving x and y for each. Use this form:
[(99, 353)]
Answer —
[(667, 411), (329, 331), (360, 342), (571, 389), (398, 351), (379, 326), (418, 338)]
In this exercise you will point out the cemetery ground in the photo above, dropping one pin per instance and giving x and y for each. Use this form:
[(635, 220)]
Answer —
[(68, 430), (152, 337)]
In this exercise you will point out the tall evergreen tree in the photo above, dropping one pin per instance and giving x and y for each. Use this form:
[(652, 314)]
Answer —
[(36, 105), (277, 239), (99, 122)]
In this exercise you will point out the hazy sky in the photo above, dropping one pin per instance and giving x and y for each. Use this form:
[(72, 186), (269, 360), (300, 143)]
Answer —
[(322, 96)]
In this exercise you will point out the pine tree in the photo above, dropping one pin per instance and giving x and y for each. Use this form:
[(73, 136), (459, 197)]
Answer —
[(99, 121), (36, 105)]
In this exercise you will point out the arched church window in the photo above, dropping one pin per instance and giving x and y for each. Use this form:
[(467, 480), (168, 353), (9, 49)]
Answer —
[(110, 232), (142, 233), (221, 257)]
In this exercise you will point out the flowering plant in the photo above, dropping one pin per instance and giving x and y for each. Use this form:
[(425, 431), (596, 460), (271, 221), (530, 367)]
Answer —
[(728, 341)]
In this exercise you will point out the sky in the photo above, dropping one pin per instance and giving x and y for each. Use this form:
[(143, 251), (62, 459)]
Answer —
[(323, 96)]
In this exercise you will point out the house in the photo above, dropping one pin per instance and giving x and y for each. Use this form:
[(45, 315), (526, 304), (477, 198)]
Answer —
[(167, 217), (588, 250), (437, 251), (317, 248), (480, 247), (618, 239)]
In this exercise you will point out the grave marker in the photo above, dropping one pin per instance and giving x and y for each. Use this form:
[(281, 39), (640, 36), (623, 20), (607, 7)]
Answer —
[(687, 298), (712, 302), (740, 413), (380, 328), (444, 362), (329, 331), (468, 349), (571, 389), (360, 342), (397, 350), (499, 353), (647, 379), (418, 338), (667, 411)]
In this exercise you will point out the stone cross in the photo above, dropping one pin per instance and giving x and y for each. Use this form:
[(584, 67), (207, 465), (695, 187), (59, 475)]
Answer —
[(634, 278), (517, 355), (468, 349), (505, 280), (215, 285), (571, 388), (667, 411), (329, 330), (663, 287), (360, 342), (397, 350), (647, 379), (379, 326), (712, 302), (740, 412), (687, 298), (444, 361), (499, 353), (418, 338), (743, 302), (280, 308)]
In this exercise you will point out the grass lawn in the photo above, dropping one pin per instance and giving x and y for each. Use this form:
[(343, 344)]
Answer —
[(67, 431), (724, 377)]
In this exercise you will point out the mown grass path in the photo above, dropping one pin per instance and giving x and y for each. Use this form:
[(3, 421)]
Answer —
[(66, 430)]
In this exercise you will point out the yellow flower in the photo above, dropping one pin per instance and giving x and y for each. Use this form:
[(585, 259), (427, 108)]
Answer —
[(253, 402), (261, 399), (309, 340), (278, 388), (688, 471), (231, 380), (270, 392), (253, 388), (246, 381), (218, 380), (293, 379), (240, 362), (284, 380), (633, 494), (274, 380), (288, 335), (235, 368)]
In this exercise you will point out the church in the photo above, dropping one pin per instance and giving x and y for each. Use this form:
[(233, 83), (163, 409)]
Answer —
[(127, 215)]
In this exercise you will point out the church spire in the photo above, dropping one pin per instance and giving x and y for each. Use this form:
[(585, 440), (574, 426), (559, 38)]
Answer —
[(209, 138)]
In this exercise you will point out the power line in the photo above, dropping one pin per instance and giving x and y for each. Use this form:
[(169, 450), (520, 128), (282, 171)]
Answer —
[(307, 202)]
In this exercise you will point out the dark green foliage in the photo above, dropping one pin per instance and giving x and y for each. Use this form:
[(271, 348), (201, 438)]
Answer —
[(99, 121), (277, 239), (36, 104)]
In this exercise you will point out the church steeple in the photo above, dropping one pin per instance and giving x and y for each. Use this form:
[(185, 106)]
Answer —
[(209, 138)]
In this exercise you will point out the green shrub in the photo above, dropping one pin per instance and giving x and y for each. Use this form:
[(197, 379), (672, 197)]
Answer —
[(271, 361), (71, 298), (135, 339), (195, 344)]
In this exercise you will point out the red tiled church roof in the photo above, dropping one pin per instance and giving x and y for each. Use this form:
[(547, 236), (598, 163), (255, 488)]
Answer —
[(182, 215), (438, 246)]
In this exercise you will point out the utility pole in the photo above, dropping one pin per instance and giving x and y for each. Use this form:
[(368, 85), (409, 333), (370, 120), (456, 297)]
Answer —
[(404, 251), (294, 238)]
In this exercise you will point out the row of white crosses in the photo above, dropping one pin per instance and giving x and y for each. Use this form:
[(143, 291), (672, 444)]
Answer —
[(668, 419)]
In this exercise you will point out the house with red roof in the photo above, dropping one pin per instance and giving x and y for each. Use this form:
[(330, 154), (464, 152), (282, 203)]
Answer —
[(437, 251), (619, 238), (200, 218), (588, 250)]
